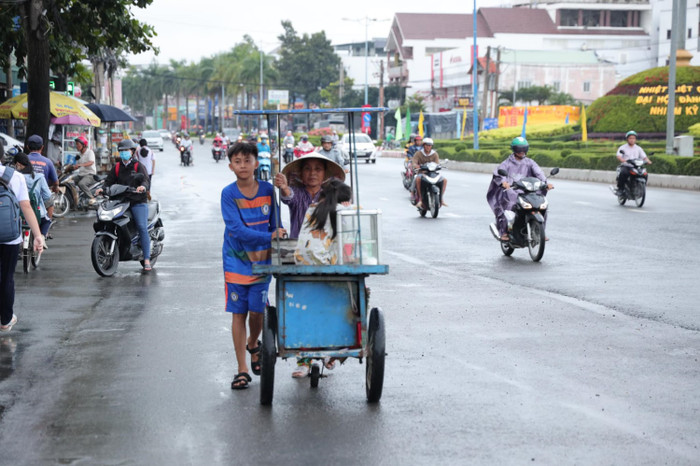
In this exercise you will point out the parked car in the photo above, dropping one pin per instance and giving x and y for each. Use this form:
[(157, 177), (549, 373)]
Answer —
[(364, 147), (165, 134), (9, 144), (153, 139)]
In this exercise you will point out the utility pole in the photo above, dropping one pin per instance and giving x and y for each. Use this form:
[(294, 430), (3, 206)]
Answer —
[(381, 99), (671, 106), (10, 122), (498, 73), (341, 88), (486, 85)]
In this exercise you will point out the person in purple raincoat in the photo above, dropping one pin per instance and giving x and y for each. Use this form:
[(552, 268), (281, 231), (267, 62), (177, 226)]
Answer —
[(499, 195)]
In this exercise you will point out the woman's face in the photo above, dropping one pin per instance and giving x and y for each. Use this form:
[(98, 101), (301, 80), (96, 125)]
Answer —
[(313, 173), (19, 166)]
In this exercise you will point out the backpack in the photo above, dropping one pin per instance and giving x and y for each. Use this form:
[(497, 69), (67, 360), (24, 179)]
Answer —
[(34, 201), (116, 168), (10, 219)]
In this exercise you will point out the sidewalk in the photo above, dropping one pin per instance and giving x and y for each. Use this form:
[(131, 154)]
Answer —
[(598, 176)]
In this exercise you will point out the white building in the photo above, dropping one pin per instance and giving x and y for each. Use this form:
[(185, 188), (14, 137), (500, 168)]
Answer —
[(353, 60)]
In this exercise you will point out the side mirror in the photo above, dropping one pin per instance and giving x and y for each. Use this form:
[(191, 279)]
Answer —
[(554, 171), (502, 172)]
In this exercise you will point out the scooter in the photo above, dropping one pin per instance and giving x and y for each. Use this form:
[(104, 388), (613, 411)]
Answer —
[(526, 221), (288, 153), (185, 156), (201, 139), (407, 174), (636, 186), (218, 151), (116, 236), (264, 166), (431, 193), (70, 196)]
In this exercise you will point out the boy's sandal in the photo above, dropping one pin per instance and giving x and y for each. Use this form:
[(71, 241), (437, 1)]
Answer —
[(255, 365), (241, 381)]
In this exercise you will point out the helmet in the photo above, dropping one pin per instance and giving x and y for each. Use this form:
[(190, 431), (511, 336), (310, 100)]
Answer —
[(417, 137), (304, 137), (630, 133), (263, 137), (428, 141), (519, 143), (81, 140), (126, 144), (326, 138), (143, 142)]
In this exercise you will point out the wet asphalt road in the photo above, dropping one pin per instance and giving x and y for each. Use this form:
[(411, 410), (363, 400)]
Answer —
[(589, 357)]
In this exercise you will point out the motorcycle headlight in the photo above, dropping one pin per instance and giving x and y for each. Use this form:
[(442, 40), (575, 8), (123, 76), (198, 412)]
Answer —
[(544, 205), (108, 215), (523, 203)]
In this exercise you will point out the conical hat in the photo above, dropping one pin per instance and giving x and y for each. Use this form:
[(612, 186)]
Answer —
[(293, 169)]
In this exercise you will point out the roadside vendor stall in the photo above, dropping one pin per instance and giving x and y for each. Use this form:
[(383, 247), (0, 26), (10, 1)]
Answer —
[(108, 136)]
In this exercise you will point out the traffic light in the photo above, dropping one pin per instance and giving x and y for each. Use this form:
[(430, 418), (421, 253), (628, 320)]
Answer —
[(70, 88)]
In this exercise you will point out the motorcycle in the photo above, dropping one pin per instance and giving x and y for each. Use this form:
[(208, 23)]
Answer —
[(636, 186), (116, 236), (218, 151), (527, 219), (264, 166), (298, 151), (407, 174), (201, 139), (185, 156), (70, 196), (431, 192), (288, 153), (30, 258)]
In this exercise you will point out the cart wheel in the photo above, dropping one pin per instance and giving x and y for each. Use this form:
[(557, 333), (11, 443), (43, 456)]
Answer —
[(268, 356), (376, 351), (315, 375)]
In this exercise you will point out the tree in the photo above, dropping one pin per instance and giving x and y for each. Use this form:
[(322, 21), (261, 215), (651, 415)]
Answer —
[(58, 34), (534, 93), (562, 98), (309, 63)]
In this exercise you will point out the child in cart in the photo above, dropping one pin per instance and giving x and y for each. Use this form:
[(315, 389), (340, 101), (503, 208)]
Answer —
[(317, 244), (249, 212)]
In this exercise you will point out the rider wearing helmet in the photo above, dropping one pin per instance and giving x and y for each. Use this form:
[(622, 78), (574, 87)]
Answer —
[(500, 196), (425, 155), (288, 139), (626, 152), (263, 145), (304, 146), (128, 171), (86, 168), (415, 147), (331, 152)]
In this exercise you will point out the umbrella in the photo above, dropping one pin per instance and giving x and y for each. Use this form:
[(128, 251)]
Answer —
[(70, 120), (110, 113), (60, 105)]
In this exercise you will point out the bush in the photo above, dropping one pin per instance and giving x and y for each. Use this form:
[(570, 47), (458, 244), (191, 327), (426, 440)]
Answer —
[(681, 164), (663, 164), (504, 153), (694, 130), (565, 153), (604, 162), (577, 161), (460, 147), (487, 156), (546, 160), (692, 168)]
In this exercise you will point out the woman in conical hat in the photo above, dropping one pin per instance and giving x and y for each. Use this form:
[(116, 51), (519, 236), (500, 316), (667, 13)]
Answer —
[(300, 185)]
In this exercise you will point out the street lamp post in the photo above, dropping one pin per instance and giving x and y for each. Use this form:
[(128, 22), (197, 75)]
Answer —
[(366, 20)]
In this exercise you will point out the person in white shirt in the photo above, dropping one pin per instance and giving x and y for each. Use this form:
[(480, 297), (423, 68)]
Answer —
[(147, 157), (629, 151), (86, 168), (9, 251)]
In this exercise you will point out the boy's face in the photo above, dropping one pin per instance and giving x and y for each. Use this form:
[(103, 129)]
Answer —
[(243, 165)]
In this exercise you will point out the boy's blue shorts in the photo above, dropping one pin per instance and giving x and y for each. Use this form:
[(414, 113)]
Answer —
[(243, 298)]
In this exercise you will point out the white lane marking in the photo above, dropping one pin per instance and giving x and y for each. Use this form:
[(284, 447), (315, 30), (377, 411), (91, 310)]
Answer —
[(407, 258), (451, 215), (383, 198), (583, 203)]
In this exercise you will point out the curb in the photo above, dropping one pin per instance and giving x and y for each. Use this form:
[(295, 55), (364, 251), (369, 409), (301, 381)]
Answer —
[(691, 183)]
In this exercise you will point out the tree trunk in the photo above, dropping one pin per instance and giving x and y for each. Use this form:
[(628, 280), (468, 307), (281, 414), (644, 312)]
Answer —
[(187, 113), (38, 98)]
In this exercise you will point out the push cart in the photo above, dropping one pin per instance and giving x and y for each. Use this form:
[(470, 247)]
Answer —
[(323, 311)]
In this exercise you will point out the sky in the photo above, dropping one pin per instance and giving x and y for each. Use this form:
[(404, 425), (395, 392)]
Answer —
[(189, 30)]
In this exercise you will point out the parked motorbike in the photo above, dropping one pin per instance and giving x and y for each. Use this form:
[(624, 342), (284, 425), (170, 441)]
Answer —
[(526, 221), (185, 156), (636, 186), (264, 166), (288, 153), (70, 196), (431, 193), (116, 236), (407, 174)]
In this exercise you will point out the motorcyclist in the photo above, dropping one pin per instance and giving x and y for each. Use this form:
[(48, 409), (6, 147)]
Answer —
[(187, 144), (263, 145), (500, 196), (415, 147), (425, 155), (288, 139), (625, 153), (86, 167), (304, 146), (129, 172), (331, 152)]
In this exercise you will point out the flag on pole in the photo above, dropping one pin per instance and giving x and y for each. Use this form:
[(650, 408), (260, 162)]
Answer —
[(399, 128), (420, 123), (407, 131), (522, 134), (584, 129), (566, 122), (464, 123)]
